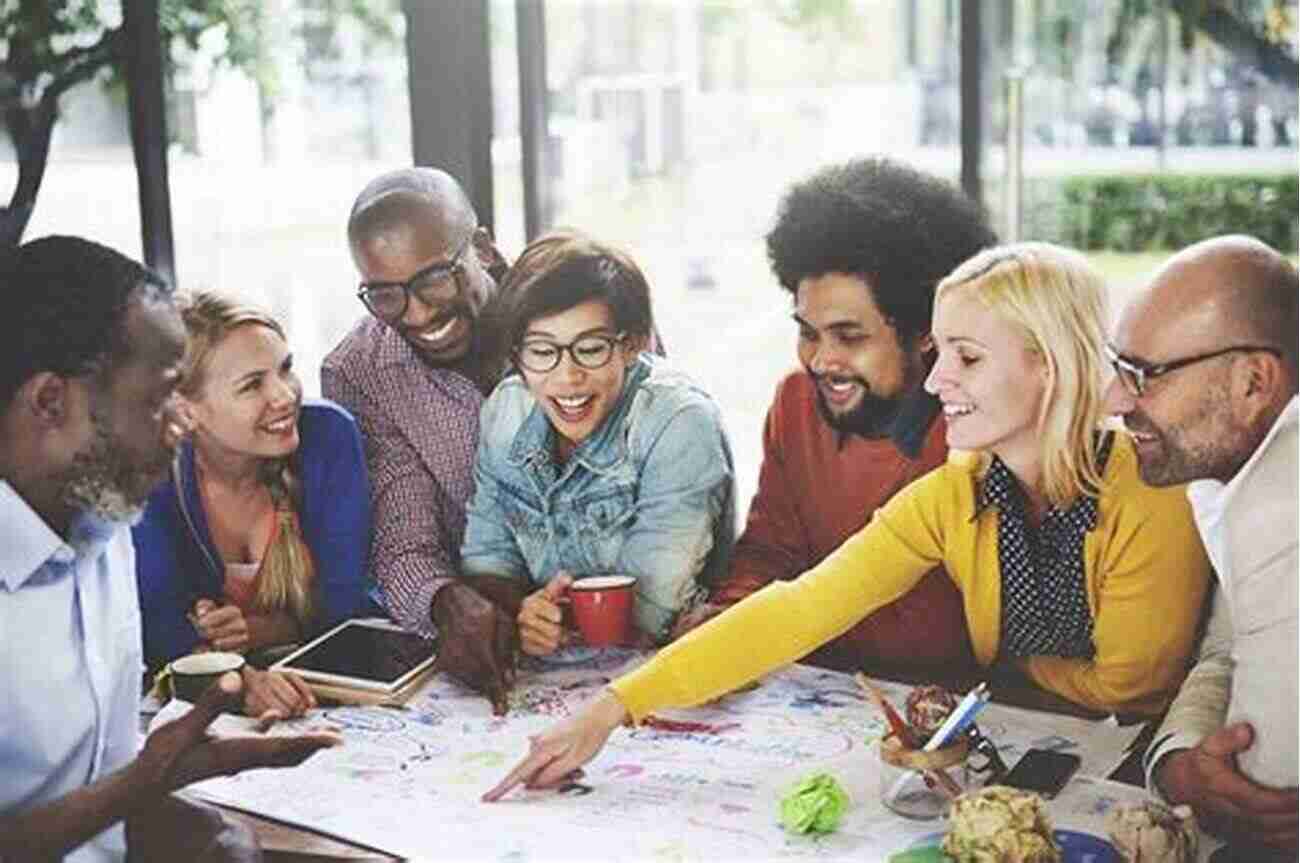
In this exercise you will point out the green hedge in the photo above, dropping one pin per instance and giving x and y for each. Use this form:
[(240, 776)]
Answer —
[(1152, 212)]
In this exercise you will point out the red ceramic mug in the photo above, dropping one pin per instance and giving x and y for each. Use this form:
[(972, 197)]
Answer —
[(602, 608)]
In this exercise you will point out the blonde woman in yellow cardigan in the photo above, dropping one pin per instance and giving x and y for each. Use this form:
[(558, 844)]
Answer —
[(1071, 569)]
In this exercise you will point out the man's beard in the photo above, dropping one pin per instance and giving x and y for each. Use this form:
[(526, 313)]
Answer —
[(101, 481), (872, 417), (1177, 462)]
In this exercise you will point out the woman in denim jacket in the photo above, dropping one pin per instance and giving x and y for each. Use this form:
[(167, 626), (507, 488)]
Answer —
[(596, 457)]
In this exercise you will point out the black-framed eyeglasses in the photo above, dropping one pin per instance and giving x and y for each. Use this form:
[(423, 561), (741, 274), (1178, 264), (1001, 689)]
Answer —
[(1134, 373), (590, 352), (438, 283)]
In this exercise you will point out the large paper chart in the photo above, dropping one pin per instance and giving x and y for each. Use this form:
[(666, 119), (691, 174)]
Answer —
[(408, 781)]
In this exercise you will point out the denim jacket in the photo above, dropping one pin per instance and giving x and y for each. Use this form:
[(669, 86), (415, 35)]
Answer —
[(649, 494)]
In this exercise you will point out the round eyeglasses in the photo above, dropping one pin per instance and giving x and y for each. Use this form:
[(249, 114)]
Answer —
[(589, 352), (436, 284)]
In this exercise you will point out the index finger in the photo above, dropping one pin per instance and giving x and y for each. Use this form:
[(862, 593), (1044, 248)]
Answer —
[(497, 695), (533, 763), (505, 650)]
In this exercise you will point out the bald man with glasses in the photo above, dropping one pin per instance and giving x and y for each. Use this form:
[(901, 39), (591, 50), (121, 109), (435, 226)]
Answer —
[(1205, 381), (414, 373)]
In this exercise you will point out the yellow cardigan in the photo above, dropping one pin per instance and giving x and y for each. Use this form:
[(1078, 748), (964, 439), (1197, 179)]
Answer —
[(1145, 568)]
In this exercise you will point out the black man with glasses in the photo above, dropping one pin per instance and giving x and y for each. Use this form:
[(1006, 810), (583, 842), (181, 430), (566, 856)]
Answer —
[(414, 373), (596, 458), (1205, 363)]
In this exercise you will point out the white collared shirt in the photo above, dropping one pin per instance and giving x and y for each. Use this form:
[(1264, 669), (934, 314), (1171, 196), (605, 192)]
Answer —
[(70, 670)]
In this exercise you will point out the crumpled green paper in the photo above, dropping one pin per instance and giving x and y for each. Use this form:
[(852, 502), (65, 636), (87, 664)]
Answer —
[(814, 805)]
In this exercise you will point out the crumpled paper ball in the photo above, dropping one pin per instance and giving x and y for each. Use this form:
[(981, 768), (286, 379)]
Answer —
[(814, 805), (1151, 832)]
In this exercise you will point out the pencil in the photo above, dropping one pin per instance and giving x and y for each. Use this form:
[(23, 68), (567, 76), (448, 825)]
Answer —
[(896, 723)]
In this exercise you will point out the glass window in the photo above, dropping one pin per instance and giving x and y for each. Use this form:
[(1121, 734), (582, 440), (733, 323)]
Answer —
[(673, 128), (1132, 89), (266, 164)]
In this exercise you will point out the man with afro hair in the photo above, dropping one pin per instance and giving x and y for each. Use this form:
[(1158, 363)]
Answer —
[(859, 246)]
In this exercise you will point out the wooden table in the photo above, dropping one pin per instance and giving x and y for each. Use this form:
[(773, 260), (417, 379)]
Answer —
[(282, 843)]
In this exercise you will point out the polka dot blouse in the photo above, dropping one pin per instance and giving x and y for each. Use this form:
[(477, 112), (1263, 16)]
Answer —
[(1044, 596)]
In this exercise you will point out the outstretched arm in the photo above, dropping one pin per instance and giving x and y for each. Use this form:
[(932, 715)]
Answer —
[(554, 756), (173, 756)]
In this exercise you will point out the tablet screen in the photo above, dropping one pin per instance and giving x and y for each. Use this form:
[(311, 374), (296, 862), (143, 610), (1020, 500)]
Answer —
[(379, 655)]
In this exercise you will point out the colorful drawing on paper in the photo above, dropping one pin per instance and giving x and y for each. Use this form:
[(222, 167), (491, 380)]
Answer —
[(700, 784)]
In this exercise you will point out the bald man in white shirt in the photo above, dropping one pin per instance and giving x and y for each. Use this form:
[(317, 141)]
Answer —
[(1205, 362)]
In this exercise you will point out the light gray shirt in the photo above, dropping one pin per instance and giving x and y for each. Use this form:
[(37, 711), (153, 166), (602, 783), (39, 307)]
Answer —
[(1246, 669)]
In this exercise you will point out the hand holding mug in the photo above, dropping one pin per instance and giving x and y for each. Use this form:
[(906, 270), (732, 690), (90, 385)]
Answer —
[(541, 618)]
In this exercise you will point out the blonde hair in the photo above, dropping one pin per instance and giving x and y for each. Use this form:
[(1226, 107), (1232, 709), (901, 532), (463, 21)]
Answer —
[(1057, 301), (287, 573)]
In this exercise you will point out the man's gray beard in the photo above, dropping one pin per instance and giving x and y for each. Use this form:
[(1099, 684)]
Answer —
[(94, 483), (95, 494)]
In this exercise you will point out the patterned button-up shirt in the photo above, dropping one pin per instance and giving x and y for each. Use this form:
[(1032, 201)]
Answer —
[(420, 426)]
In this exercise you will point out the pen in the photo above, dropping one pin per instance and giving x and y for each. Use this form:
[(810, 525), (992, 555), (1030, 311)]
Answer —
[(960, 718)]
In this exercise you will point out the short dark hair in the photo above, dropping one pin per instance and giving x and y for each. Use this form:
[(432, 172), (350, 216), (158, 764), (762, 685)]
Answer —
[(896, 228), (66, 309), (566, 268)]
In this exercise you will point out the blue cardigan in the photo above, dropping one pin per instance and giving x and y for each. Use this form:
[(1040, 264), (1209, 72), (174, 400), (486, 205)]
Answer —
[(178, 564)]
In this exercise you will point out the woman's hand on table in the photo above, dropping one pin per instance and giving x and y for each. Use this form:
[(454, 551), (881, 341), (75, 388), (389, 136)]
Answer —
[(271, 696), (555, 755), (1225, 802), (222, 627), (541, 618)]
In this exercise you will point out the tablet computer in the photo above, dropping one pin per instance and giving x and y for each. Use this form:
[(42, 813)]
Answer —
[(369, 654)]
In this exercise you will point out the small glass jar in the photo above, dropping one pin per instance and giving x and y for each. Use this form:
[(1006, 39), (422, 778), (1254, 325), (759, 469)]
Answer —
[(918, 784)]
